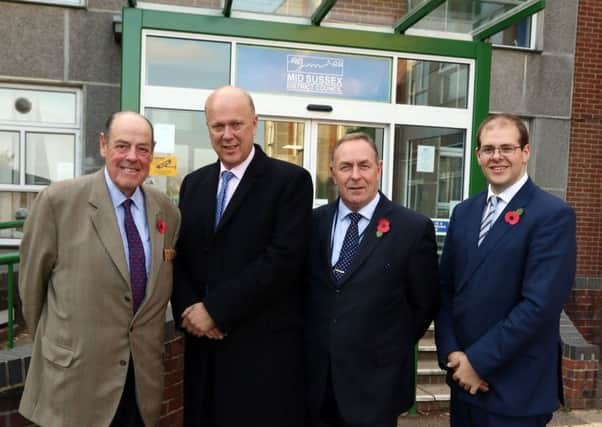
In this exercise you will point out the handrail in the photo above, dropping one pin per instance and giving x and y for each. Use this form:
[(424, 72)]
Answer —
[(12, 224), (10, 259)]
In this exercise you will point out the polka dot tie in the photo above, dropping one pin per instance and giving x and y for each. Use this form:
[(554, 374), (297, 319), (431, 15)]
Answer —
[(351, 244), (136, 256)]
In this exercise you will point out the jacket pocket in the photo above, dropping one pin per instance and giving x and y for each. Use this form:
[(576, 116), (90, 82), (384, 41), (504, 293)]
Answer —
[(56, 354)]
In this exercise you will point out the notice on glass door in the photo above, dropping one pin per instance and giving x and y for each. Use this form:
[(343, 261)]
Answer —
[(425, 159)]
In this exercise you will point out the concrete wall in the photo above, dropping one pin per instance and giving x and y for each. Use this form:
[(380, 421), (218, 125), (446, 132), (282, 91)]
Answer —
[(538, 86)]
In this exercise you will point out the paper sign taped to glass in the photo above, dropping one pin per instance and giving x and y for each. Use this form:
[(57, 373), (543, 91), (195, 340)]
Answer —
[(163, 166)]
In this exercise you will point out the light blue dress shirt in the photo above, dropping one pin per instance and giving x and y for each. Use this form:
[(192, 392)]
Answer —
[(341, 223), (138, 213)]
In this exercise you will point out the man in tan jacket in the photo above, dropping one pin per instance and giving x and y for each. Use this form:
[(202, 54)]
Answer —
[(95, 278)]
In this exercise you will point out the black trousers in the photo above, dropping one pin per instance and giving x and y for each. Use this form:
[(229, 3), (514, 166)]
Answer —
[(330, 414), (128, 414)]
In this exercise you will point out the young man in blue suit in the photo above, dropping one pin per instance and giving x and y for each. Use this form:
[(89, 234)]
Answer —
[(371, 294), (507, 267)]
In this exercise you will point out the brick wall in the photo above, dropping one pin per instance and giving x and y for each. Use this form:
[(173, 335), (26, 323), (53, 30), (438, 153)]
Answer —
[(584, 307), (579, 378), (172, 411), (585, 154), (378, 12)]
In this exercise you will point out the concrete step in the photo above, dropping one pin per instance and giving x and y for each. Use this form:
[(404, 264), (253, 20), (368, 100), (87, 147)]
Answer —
[(427, 344), (429, 372), (432, 397)]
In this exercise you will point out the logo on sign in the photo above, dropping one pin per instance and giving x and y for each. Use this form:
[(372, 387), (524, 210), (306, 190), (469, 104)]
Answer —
[(315, 74)]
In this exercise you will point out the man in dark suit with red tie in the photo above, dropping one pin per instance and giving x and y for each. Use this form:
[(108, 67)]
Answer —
[(371, 294), (237, 287), (507, 267)]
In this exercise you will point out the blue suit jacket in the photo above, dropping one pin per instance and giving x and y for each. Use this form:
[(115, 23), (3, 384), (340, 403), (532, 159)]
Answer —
[(501, 302)]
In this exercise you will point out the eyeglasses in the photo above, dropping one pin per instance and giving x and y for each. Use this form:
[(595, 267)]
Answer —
[(488, 151)]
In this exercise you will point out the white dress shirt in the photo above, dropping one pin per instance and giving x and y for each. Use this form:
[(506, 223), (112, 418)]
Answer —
[(138, 213), (341, 223), (504, 197), (238, 172)]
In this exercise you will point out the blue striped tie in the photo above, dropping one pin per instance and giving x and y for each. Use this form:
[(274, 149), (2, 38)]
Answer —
[(487, 220), (221, 196)]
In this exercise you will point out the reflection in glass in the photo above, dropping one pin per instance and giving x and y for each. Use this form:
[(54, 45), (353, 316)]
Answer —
[(517, 35), (385, 13), (465, 16), (191, 143), (186, 63), (10, 202), (38, 106), (49, 158), (282, 140), (436, 84), (328, 135), (9, 157), (303, 8), (428, 172)]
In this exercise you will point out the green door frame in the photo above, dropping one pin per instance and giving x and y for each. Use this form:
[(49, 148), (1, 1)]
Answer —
[(135, 20)]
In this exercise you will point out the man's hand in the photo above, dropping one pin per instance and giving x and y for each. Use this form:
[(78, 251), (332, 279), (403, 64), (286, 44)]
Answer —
[(465, 374), (198, 322)]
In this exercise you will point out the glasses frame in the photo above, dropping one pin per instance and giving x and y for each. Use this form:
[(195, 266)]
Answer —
[(499, 149)]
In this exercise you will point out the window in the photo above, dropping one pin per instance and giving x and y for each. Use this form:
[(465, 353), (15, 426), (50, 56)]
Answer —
[(197, 64), (436, 84), (520, 34), (39, 144)]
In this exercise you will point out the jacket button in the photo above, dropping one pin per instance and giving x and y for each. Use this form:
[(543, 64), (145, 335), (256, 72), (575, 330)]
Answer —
[(338, 291), (334, 320), (127, 298), (131, 329), (123, 362)]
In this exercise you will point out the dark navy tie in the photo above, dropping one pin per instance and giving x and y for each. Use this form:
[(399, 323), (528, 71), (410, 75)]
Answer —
[(221, 196), (136, 256), (351, 244)]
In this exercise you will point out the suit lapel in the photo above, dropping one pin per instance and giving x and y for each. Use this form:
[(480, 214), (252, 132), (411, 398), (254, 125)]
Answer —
[(252, 174), (369, 241), (105, 223), (325, 236), (153, 214), (209, 198), (499, 232)]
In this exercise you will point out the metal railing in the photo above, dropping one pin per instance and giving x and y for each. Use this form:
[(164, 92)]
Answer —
[(10, 259)]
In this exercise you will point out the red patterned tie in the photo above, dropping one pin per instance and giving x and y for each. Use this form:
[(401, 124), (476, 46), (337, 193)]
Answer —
[(136, 256)]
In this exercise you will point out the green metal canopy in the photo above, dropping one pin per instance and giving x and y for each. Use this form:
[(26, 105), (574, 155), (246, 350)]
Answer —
[(458, 19)]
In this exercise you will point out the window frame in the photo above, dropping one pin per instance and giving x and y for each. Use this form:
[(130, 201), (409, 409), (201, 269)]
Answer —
[(25, 127)]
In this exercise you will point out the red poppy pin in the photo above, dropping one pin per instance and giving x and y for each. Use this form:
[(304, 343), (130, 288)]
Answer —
[(513, 217), (382, 227), (161, 226)]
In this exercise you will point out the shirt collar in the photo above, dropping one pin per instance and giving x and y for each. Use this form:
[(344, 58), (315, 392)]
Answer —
[(238, 170), (509, 192), (117, 197), (366, 212)]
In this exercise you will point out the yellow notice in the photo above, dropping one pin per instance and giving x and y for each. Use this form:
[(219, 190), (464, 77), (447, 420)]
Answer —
[(163, 166)]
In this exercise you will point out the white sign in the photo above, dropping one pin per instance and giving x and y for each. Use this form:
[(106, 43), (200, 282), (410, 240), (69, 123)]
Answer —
[(165, 136), (425, 159), (314, 74)]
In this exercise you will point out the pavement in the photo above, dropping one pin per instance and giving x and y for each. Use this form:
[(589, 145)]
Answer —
[(562, 418)]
